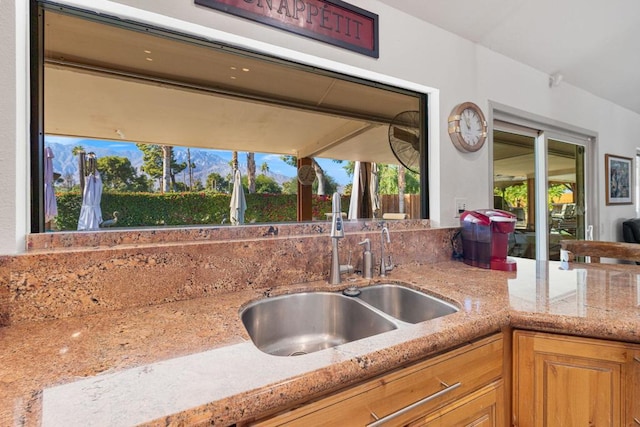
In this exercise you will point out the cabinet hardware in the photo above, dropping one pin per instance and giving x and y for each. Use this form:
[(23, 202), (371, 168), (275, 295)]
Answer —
[(636, 358), (636, 420), (414, 405)]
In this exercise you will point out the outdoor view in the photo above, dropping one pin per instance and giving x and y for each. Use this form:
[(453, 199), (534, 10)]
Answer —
[(137, 191), (165, 128), (514, 187)]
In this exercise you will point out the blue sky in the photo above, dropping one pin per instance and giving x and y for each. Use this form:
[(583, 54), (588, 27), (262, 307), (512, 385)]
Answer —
[(335, 170)]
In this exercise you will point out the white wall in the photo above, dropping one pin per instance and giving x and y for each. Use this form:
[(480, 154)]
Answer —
[(7, 122), (422, 57), (505, 81), (13, 127)]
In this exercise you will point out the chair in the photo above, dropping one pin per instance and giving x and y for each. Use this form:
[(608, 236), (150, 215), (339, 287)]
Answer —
[(631, 230), (597, 249)]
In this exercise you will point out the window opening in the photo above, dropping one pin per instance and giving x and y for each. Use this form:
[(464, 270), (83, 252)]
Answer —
[(169, 121)]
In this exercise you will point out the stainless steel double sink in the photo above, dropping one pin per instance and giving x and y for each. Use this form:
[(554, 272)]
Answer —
[(297, 324)]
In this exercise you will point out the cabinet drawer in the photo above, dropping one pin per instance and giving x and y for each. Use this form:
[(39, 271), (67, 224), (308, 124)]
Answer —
[(482, 408), (423, 387)]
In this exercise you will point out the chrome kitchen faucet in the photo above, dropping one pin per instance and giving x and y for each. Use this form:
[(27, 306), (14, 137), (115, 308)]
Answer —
[(337, 232)]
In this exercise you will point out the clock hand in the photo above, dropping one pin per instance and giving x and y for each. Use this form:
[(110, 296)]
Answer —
[(466, 120)]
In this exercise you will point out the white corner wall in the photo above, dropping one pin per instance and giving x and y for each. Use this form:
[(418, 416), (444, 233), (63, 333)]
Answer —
[(413, 54), (508, 82), (13, 126)]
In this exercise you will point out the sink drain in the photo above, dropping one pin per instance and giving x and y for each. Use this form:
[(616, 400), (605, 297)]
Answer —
[(352, 291)]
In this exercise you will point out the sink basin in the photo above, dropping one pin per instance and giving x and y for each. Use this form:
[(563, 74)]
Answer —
[(404, 303), (296, 324)]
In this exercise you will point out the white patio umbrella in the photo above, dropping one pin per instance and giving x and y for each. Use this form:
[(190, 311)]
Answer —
[(50, 204), (238, 203), (90, 212), (355, 193), (373, 189)]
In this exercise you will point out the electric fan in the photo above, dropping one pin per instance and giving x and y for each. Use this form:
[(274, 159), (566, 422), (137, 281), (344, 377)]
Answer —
[(404, 139)]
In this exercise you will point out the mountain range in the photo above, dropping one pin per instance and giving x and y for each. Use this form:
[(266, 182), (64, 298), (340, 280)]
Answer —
[(206, 161)]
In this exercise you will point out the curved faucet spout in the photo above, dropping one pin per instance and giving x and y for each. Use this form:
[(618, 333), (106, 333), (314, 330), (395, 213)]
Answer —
[(384, 231)]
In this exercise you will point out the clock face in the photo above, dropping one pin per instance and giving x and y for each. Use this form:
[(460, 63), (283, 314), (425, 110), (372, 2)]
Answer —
[(467, 127), (306, 175), (471, 126)]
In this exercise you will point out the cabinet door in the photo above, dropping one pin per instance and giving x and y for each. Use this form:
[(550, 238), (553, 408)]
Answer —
[(570, 381), (633, 401), (482, 408), (406, 394)]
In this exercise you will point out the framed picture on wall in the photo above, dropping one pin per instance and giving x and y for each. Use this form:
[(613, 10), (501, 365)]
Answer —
[(618, 175)]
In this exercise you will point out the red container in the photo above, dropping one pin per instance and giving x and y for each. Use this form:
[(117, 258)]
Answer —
[(485, 238)]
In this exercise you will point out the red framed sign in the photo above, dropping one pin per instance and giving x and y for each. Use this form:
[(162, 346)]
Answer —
[(330, 21)]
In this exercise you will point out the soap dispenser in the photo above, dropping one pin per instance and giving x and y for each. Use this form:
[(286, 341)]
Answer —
[(367, 259)]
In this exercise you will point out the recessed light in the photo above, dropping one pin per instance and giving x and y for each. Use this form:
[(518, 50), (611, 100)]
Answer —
[(245, 69), (233, 68), (233, 77), (147, 52), (149, 59)]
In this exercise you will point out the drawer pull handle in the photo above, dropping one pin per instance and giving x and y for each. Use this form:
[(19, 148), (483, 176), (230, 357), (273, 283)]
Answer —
[(636, 420), (406, 409), (636, 358)]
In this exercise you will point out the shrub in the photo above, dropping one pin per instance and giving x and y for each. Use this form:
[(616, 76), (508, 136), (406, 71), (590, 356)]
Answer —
[(188, 208)]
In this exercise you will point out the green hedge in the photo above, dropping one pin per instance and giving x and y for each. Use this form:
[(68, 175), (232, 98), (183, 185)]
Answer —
[(153, 209)]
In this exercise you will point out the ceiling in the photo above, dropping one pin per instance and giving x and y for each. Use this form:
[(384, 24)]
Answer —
[(108, 82), (514, 159), (592, 44)]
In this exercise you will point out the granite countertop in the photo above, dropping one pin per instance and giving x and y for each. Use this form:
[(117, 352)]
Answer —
[(191, 362)]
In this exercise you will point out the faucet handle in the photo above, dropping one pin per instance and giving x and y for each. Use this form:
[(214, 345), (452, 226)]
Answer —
[(348, 267), (367, 244)]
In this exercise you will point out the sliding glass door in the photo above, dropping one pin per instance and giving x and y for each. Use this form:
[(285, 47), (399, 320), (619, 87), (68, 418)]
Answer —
[(539, 175), (566, 193), (514, 183)]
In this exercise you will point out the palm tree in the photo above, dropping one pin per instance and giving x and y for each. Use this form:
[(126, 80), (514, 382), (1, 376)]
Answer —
[(234, 162), (251, 172), (191, 165), (166, 167), (402, 184), (78, 150)]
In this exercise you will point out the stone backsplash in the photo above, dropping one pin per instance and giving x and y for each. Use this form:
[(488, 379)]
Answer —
[(79, 273)]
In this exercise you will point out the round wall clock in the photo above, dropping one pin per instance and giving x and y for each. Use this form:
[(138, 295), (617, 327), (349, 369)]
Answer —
[(467, 127), (306, 174)]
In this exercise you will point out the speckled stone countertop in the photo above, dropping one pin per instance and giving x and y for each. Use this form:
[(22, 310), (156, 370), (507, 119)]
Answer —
[(191, 362)]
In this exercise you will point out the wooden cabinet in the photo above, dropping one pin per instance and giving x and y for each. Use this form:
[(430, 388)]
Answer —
[(460, 387), (568, 381), (482, 408)]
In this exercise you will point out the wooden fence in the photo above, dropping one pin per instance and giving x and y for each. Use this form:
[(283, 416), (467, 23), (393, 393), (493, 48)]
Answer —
[(390, 203)]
